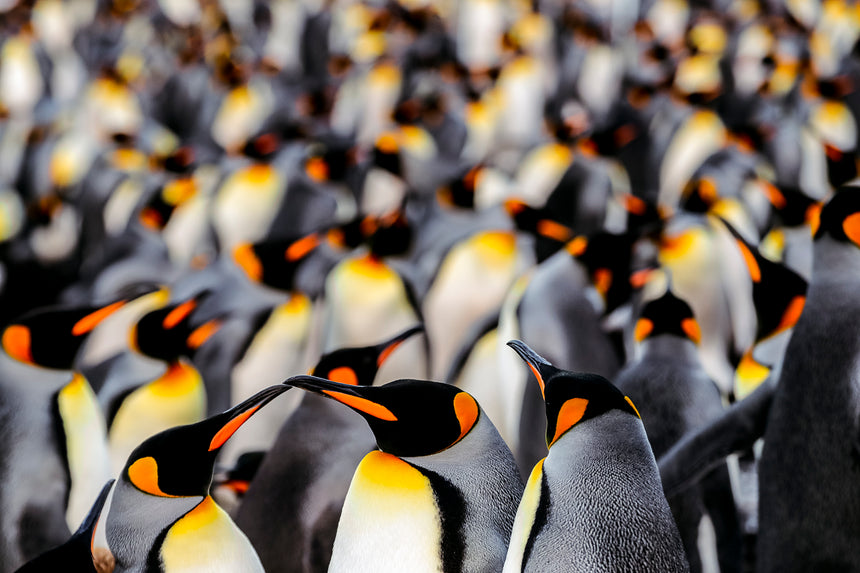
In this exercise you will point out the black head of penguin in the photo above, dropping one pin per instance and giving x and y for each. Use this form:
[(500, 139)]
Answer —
[(181, 162), (179, 462), (699, 195), (391, 235), (779, 293), (386, 155), (667, 315), (841, 165), (571, 397), (76, 554), (608, 258), (408, 417), (792, 206), (840, 217), (262, 147), (461, 191), (275, 262), (51, 337), (549, 231), (167, 333), (358, 366)]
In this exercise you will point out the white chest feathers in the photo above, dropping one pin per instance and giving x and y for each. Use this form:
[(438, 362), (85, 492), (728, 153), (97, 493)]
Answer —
[(390, 521)]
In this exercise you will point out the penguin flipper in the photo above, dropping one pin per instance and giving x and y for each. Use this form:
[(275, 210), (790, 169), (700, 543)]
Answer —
[(702, 450)]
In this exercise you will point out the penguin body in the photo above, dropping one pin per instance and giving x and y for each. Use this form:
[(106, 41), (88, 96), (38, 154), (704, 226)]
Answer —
[(674, 395), (595, 502), (813, 415), (429, 501), (308, 469), (161, 517)]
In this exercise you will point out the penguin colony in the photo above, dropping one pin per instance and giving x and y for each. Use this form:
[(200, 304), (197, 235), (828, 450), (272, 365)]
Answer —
[(429, 286)]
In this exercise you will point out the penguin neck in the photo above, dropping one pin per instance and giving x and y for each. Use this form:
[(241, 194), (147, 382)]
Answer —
[(137, 522), (669, 346), (834, 262)]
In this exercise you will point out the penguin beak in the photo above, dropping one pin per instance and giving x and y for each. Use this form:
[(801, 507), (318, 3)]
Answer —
[(345, 394), (539, 366), (88, 526), (386, 348), (239, 414), (746, 251)]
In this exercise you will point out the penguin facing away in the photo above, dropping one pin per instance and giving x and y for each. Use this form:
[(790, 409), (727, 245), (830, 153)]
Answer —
[(76, 553), (440, 493), (595, 503), (808, 472), (306, 473), (161, 517), (674, 395)]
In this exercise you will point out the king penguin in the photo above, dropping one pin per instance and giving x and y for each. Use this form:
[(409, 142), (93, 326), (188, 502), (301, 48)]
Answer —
[(808, 472), (77, 553), (440, 493), (595, 503), (306, 473), (674, 395), (51, 338), (161, 517)]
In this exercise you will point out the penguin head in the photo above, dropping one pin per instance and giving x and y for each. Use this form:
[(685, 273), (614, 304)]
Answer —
[(275, 262), (358, 366), (179, 462), (166, 333), (539, 222), (840, 217), (571, 397), (262, 147), (51, 337), (409, 418), (667, 315), (779, 293), (608, 258)]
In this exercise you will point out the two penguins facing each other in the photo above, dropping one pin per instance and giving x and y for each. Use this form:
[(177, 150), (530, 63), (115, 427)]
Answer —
[(441, 493)]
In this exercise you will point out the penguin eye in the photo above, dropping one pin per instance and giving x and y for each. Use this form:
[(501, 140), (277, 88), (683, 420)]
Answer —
[(144, 475), (570, 413)]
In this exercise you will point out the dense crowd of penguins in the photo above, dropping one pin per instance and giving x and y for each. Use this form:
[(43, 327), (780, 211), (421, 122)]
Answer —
[(485, 285)]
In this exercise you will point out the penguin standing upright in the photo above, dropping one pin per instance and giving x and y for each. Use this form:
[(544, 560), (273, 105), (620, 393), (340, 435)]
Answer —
[(441, 492), (51, 338), (595, 502), (77, 553), (161, 517), (808, 472), (306, 473), (674, 395)]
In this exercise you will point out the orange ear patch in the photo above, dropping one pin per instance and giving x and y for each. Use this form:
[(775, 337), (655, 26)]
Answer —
[(317, 169), (813, 217), (749, 259), (774, 195), (553, 230), (246, 259), (344, 375), (851, 226), (363, 405), (792, 313), (602, 280), (203, 333), (179, 313), (300, 248), (144, 475), (643, 328), (570, 413), (577, 246), (467, 411), (230, 428), (90, 321), (691, 328), (16, 343)]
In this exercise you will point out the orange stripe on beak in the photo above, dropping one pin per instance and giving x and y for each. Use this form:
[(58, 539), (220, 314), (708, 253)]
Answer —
[(176, 315), (90, 321), (301, 248), (363, 405), (230, 428)]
